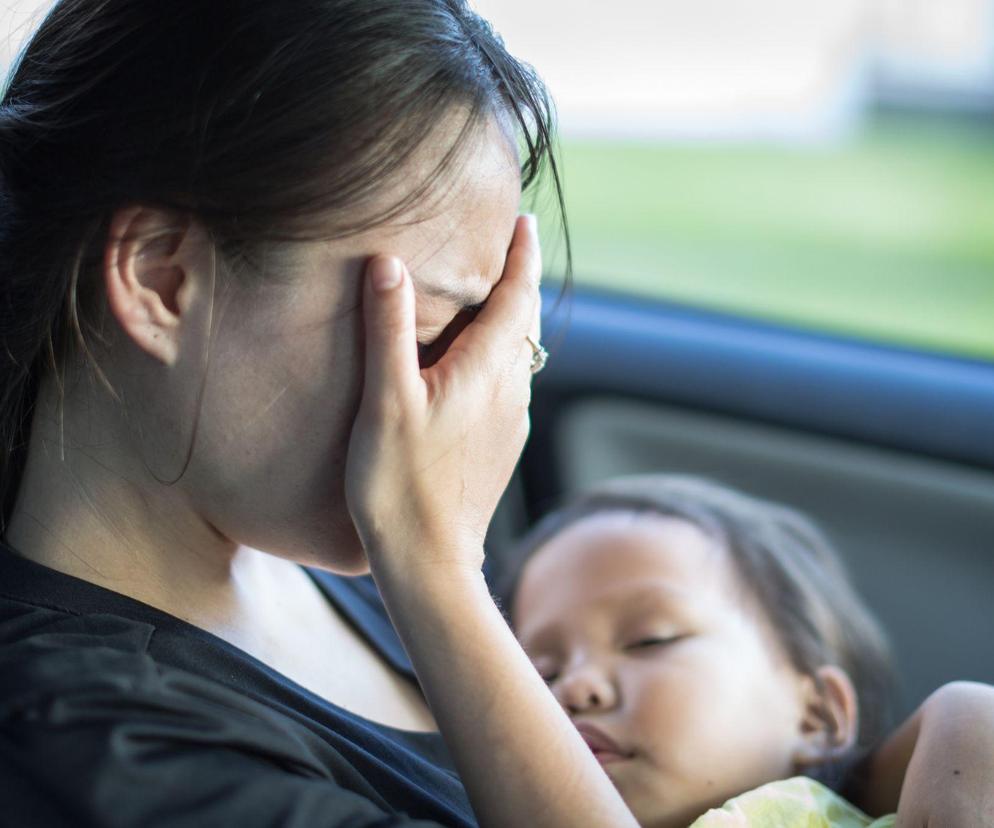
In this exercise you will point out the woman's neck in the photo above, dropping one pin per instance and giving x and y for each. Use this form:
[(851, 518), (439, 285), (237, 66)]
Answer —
[(89, 510)]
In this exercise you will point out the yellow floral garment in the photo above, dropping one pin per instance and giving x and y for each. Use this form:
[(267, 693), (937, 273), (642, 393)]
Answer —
[(790, 803)]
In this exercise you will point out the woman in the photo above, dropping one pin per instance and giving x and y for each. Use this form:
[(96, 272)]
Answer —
[(244, 249), (192, 193)]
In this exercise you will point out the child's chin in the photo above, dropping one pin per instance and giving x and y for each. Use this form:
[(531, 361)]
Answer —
[(658, 803)]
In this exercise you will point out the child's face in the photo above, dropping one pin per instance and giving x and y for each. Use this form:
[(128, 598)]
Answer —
[(644, 634)]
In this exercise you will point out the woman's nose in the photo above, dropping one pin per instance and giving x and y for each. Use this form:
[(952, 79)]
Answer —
[(585, 690)]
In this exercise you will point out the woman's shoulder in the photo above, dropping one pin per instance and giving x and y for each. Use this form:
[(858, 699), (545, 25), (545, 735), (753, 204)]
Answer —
[(127, 713), (89, 715), (45, 650), (51, 649), (93, 672)]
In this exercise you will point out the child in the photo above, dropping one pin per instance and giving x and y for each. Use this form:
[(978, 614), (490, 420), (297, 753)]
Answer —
[(704, 643)]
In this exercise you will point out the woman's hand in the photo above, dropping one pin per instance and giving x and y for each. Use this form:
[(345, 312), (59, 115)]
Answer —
[(432, 449), (431, 452), (950, 778)]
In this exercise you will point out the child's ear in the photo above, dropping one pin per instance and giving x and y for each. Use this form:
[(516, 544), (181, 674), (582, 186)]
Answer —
[(830, 717)]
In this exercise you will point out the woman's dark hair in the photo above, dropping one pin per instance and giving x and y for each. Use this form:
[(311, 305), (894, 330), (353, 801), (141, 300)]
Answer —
[(785, 562), (267, 121)]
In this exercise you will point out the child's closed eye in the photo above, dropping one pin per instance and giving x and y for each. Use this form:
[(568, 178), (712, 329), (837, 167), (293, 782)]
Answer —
[(650, 642)]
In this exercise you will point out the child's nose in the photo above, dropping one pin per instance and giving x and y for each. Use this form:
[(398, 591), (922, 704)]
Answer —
[(586, 689)]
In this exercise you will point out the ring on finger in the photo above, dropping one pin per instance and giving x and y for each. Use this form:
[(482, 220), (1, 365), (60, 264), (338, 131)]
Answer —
[(540, 356)]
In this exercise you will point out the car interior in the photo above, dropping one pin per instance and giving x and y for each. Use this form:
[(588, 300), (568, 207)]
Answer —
[(889, 449)]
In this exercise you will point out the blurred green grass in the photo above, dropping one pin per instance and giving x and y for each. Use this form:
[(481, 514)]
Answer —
[(888, 237)]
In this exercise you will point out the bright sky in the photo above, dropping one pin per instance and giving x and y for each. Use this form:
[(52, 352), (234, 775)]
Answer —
[(781, 69), (16, 23), (671, 65), (793, 69)]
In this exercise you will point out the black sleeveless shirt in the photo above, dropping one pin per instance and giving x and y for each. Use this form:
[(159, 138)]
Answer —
[(115, 713)]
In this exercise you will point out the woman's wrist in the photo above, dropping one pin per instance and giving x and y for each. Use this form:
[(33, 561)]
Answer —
[(484, 691), (440, 571)]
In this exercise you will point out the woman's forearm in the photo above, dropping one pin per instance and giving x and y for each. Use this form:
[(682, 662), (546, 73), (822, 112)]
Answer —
[(431, 451), (519, 757)]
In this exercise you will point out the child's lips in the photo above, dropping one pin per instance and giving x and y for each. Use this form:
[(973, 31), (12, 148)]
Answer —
[(604, 748)]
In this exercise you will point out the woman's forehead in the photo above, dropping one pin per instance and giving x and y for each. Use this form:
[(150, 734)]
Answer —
[(468, 193), (457, 244), (453, 241)]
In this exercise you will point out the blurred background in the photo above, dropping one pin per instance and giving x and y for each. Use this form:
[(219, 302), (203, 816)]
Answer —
[(823, 164), (782, 215)]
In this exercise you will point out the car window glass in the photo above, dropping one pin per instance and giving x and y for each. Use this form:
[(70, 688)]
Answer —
[(825, 165)]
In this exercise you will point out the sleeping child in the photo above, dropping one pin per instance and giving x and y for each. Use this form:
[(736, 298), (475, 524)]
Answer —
[(705, 644)]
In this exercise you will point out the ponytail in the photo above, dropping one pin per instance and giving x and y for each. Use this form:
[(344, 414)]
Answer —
[(18, 387), (40, 265), (27, 310)]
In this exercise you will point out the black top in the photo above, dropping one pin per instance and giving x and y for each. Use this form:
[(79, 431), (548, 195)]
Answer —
[(115, 713)]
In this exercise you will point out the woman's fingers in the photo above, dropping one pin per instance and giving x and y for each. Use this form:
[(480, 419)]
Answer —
[(509, 314), (497, 338), (527, 354), (432, 449), (391, 343)]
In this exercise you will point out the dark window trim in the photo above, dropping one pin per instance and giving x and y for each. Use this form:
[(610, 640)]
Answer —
[(924, 403)]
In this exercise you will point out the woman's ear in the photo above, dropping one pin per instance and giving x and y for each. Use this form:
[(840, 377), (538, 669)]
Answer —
[(830, 717), (154, 269)]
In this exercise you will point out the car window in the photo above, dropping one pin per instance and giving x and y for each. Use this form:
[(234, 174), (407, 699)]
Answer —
[(824, 165), (829, 166)]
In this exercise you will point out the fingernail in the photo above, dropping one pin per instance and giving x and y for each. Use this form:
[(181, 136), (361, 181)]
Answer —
[(532, 220), (385, 273)]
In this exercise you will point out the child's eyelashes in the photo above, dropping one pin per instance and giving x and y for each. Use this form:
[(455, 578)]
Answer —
[(650, 642), (636, 646)]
